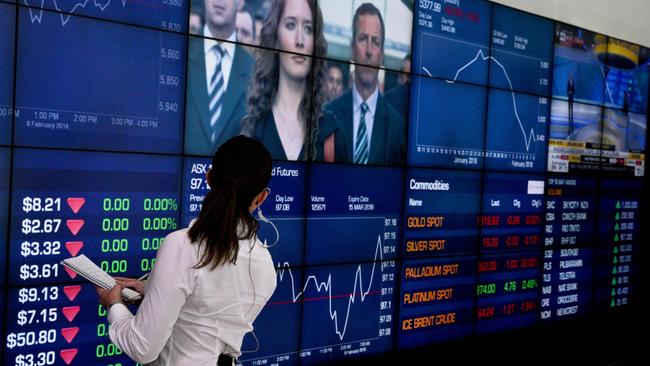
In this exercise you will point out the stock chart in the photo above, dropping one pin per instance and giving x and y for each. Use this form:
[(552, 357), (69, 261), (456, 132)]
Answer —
[(165, 14), (513, 113), (104, 100), (349, 220)]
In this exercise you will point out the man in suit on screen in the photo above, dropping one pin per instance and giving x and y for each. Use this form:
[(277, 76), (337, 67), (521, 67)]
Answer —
[(370, 131), (218, 73)]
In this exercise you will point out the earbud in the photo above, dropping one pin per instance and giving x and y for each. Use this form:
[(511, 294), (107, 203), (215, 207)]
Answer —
[(263, 218)]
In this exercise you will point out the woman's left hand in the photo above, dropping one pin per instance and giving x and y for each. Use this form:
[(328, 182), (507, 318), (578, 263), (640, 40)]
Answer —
[(108, 297)]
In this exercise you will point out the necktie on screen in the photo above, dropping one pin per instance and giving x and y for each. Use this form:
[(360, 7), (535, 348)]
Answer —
[(216, 89), (361, 151)]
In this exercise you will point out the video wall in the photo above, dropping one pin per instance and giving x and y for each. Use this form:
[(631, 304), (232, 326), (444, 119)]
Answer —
[(442, 169)]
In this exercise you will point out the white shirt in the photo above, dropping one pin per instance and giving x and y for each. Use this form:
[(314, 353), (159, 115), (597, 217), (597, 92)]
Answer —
[(211, 58), (189, 316), (370, 115)]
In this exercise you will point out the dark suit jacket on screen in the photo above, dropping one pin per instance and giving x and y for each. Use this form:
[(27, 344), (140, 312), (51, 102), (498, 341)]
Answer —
[(398, 98), (197, 120), (388, 133)]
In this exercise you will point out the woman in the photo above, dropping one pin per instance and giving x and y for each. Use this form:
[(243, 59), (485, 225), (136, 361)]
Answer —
[(210, 281), (284, 101)]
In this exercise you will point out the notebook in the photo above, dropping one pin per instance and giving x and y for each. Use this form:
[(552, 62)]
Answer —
[(90, 271)]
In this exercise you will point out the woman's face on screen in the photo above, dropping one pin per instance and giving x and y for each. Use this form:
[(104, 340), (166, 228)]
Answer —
[(296, 34)]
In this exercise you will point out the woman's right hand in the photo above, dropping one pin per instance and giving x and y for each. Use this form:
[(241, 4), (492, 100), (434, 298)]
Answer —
[(133, 283)]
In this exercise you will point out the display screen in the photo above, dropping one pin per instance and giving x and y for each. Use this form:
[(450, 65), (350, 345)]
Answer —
[(521, 56), (591, 71), (8, 29), (619, 229), (442, 170), (506, 126), (349, 220), (510, 261), (114, 208), (458, 30), (167, 14), (579, 64), (130, 100), (569, 236), (4, 204)]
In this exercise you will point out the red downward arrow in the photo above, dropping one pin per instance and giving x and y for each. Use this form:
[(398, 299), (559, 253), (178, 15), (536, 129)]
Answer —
[(75, 225), (68, 355), (76, 203), (74, 247), (72, 291), (70, 312), (69, 333), (70, 272)]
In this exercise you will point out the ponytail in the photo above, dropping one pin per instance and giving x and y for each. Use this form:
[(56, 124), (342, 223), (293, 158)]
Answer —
[(241, 169)]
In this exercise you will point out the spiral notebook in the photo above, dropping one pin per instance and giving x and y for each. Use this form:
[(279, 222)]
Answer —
[(90, 271)]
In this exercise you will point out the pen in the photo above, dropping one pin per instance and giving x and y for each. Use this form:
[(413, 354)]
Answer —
[(144, 277)]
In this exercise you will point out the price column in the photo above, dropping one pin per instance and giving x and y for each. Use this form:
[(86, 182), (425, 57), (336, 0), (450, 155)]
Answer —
[(568, 247), (114, 208), (509, 266), (619, 227), (58, 325), (441, 232)]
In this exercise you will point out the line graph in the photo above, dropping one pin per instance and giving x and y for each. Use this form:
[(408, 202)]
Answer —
[(37, 15), (168, 15), (516, 122), (322, 313), (284, 270), (99, 91), (529, 137)]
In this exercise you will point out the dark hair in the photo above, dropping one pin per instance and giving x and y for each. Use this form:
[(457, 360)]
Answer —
[(368, 9), (198, 9), (241, 169), (247, 9), (344, 71), (264, 83)]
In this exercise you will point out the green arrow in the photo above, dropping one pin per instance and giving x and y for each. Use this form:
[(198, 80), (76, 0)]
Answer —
[(612, 304), (614, 270), (613, 292), (615, 250), (618, 216), (614, 281), (616, 239), (615, 261), (618, 205), (617, 227)]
